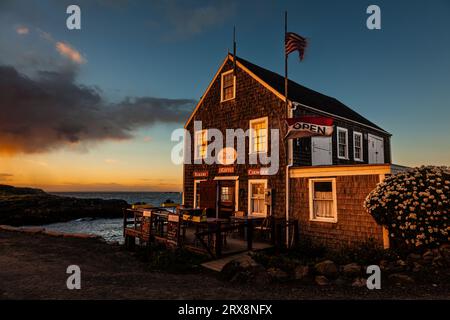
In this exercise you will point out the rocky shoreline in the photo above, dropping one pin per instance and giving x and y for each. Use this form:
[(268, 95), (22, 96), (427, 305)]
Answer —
[(28, 206)]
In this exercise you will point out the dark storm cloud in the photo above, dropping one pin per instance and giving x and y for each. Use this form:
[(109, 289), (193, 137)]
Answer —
[(52, 111)]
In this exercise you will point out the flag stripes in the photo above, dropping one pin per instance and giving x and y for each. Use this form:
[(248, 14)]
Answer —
[(295, 42)]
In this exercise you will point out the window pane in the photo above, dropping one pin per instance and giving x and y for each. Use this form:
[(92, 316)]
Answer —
[(323, 203), (259, 138)]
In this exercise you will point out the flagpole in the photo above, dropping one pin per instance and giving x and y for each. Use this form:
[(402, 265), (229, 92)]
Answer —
[(288, 141), (285, 61), (234, 51)]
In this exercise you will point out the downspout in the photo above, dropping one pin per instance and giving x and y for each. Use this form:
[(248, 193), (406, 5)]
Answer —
[(290, 162)]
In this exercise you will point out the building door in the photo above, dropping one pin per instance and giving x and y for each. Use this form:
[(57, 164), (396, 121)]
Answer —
[(376, 149), (226, 198), (207, 198), (321, 150)]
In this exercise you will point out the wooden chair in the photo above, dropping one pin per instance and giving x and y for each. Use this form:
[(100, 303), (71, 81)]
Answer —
[(264, 229)]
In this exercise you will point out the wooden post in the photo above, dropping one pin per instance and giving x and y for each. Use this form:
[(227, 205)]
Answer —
[(296, 233), (272, 230), (249, 234), (279, 232), (218, 239)]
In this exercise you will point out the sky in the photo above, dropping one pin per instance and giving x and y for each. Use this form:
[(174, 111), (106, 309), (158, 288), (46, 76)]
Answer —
[(94, 109)]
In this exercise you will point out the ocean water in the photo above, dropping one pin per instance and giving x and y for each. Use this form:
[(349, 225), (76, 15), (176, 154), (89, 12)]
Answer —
[(109, 229), (155, 198)]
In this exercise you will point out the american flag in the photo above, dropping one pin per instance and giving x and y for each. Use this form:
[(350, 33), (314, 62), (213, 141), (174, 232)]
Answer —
[(294, 42)]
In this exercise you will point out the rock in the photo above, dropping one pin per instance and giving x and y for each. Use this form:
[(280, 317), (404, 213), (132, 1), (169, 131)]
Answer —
[(428, 256), (52, 233), (351, 269), (9, 228), (414, 257), (401, 263), (301, 272), (417, 267), (359, 282), (26, 206), (438, 261), (322, 280), (327, 268), (246, 262), (400, 279), (32, 230), (277, 274)]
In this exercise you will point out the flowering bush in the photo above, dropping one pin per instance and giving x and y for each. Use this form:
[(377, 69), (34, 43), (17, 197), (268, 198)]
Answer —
[(414, 206)]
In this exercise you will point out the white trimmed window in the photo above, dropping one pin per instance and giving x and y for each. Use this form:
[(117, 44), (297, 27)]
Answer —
[(258, 135), (322, 200), (200, 144), (256, 193), (358, 146), (228, 86), (342, 143)]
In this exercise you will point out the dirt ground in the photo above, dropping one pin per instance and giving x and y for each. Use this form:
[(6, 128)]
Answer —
[(34, 267)]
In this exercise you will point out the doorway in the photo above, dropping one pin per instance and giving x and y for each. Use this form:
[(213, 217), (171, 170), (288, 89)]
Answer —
[(227, 200)]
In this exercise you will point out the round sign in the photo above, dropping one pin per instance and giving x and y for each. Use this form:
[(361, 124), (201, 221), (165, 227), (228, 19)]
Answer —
[(227, 156)]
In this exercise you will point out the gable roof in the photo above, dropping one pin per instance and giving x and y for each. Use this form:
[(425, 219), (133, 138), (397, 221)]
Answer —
[(296, 93), (306, 96)]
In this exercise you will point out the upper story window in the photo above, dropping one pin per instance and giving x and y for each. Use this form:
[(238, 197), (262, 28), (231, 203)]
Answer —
[(200, 144), (358, 146), (342, 141), (258, 135), (228, 86)]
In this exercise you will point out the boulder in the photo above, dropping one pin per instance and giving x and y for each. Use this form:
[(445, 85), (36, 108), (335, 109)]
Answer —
[(399, 278), (322, 280), (32, 230), (327, 268), (351, 269), (301, 272), (417, 267), (359, 282), (428, 256), (414, 257)]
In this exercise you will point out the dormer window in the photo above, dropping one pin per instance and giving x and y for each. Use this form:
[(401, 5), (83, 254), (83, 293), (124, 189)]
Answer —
[(228, 86)]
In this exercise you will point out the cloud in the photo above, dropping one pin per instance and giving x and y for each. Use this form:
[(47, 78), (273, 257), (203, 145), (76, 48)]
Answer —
[(148, 139), (69, 52), (22, 30), (6, 176), (189, 18), (51, 111)]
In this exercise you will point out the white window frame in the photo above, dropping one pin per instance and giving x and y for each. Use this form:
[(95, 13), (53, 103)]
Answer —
[(197, 156), (355, 133), (250, 182), (221, 86), (252, 132), (339, 129), (197, 181), (311, 200)]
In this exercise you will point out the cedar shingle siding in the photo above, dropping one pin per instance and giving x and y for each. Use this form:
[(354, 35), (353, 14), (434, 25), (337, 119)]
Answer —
[(253, 100)]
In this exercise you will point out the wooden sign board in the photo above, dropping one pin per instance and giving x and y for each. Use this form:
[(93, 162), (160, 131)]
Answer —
[(173, 228), (200, 174), (258, 172), (226, 170)]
